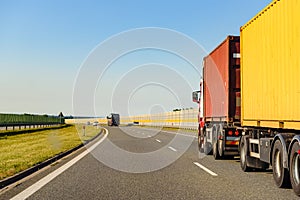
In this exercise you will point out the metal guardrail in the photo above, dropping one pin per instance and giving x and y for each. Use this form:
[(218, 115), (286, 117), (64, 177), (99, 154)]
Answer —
[(28, 121)]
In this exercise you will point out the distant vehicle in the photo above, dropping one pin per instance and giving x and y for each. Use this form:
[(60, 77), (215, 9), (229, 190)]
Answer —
[(95, 123), (113, 119), (88, 123)]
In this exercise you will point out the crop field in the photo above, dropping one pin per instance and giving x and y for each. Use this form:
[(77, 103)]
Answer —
[(27, 119), (24, 150)]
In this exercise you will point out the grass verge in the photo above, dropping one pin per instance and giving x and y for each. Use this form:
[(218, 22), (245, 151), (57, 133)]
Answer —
[(22, 151)]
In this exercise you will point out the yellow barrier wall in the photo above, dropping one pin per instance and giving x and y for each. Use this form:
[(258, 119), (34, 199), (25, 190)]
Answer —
[(187, 119), (178, 119)]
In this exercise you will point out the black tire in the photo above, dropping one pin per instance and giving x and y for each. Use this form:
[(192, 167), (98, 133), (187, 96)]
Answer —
[(216, 151), (280, 174), (207, 146), (295, 168), (243, 154), (207, 149), (200, 142), (221, 143), (215, 145)]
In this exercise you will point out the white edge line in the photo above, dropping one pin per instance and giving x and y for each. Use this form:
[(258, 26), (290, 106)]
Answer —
[(205, 169), (172, 148), (38, 185)]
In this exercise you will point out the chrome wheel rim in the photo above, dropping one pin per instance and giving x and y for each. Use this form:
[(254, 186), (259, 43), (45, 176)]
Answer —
[(296, 169), (214, 149), (242, 155)]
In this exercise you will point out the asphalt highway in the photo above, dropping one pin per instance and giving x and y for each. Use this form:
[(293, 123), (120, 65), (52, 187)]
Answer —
[(141, 163)]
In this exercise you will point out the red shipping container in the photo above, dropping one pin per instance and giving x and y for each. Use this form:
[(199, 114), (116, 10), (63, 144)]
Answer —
[(221, 78)]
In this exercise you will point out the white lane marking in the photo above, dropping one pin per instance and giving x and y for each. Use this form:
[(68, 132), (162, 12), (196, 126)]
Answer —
[(38, 185), (172, 148), (175, 133), (158, 141), (205, 169), (180, 134)]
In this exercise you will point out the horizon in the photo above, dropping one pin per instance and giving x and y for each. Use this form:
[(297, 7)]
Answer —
[(45, 46)]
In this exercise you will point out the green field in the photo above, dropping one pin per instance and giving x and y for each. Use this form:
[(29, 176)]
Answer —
[(22, 151), (15, 119)]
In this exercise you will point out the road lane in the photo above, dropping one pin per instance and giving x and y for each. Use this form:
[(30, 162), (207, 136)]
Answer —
[(38, 185), (91, 179)]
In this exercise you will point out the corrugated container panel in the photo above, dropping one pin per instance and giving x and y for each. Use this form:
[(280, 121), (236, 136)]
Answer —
[(216, 82), (221, 80), (270, 67)]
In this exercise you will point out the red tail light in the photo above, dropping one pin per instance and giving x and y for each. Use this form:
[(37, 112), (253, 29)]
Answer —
[(236, 133), (298, 152), (230, 132), (202, 124)]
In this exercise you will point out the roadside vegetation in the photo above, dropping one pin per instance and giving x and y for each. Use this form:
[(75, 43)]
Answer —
[(21, 150)]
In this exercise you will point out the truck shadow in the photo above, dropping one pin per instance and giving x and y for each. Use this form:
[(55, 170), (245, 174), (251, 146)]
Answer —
[(266, 171)]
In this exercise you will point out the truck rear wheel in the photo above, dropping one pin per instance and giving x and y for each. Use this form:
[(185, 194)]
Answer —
[(221, 147), (280, 174), (243, 154), (215, 144), (216, 151), (206, 145), (207, 149), (201, 142), (295, 168)]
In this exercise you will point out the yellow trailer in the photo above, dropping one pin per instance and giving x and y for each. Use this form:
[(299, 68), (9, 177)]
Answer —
[(270, 92), (270, 67)]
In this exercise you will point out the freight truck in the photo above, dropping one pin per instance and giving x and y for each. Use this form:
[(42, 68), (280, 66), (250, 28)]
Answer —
[(270, 77), (270, 93), (220, 90), (113, 119)]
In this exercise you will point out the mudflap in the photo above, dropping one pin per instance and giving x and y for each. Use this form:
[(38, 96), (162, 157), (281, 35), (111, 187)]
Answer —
[(256, 163)]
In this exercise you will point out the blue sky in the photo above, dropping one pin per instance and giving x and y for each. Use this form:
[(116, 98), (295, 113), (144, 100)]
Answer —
[(44, 43)]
